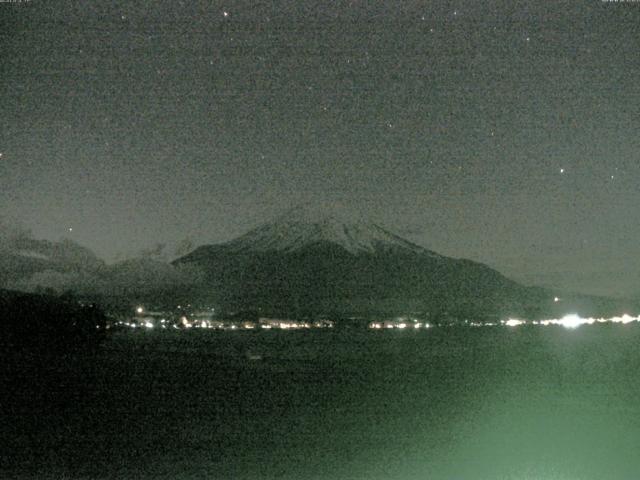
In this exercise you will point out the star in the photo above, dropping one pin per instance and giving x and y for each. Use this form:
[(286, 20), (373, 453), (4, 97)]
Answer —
[(562, 170), (70, 229), (225, 14)]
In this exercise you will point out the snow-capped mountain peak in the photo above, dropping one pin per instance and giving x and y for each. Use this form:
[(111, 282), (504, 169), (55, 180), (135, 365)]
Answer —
[(305, 225)]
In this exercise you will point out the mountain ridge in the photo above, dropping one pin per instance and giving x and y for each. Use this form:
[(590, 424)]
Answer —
[(302, 226), (305, 263)]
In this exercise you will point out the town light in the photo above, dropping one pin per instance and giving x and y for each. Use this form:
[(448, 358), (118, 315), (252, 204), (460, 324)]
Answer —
[(512, 322), (572, 321)]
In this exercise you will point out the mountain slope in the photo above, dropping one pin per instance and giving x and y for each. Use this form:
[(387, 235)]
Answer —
[(29, 256), (303, 226), (309, 262)]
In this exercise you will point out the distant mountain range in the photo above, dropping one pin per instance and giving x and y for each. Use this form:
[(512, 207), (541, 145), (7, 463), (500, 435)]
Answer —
[(308, 261), (33, 265), (312, 260), (25, 256)]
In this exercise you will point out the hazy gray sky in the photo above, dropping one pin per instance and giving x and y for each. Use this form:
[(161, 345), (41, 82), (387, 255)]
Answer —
[(503, 131)]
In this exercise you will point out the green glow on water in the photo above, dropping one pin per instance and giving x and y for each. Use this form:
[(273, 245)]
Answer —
[(524, 403)]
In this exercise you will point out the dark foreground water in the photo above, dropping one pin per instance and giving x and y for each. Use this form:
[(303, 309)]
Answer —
[(495, 403)]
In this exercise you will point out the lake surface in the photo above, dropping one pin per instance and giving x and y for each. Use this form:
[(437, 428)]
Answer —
[(448, 403)]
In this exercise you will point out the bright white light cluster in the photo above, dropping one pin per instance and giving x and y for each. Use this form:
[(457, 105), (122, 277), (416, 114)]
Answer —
[(398, 324), (512, 322), (573, 321)]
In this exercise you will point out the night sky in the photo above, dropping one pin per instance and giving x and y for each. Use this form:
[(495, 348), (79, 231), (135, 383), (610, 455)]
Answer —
[(501, 131)]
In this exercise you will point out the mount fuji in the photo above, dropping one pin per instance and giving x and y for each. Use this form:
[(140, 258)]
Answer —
[(303, 226), (313, 260)]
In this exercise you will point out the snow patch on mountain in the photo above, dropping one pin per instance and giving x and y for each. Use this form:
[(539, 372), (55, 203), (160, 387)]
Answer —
[(306, 225), (32, 254)]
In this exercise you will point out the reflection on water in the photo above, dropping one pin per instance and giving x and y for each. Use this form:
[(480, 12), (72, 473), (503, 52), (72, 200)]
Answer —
[(457, 403)]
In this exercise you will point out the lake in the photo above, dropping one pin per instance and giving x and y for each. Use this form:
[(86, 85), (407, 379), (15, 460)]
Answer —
[(445, 403)]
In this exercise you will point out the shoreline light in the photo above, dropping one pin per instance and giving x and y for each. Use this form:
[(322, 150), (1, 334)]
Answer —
[(570, 321), (573, 321), (512, 322)]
